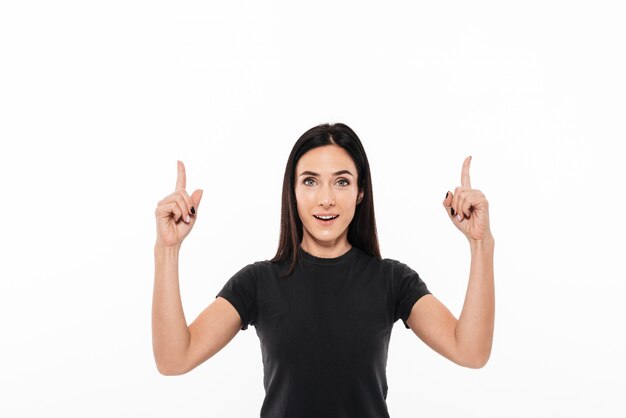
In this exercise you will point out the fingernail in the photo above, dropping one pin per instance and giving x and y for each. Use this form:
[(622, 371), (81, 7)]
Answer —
[(447, 193), (452, 211), (193, 211), (188, 218), (458, 218)]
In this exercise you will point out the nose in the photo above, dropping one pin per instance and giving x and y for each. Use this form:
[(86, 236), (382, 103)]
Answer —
[(326, 197)]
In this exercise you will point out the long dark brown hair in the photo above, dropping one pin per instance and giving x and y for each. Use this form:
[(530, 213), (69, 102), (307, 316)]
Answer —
[(362, 228)]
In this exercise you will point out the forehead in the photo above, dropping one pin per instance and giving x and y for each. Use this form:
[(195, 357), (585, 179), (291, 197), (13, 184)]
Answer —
[(327, 158)]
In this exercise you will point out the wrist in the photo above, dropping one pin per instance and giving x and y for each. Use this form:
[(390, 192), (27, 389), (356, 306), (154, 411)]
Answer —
[(160, 249), (487, 242)]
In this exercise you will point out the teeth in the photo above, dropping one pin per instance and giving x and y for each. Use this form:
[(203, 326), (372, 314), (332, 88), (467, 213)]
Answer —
[(326, 217)]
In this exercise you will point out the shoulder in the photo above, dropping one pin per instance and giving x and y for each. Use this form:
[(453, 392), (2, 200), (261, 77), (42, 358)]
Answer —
[(395, 266), (257, 266), (401, 272), (257, 269), (245, 279), (388, 266)]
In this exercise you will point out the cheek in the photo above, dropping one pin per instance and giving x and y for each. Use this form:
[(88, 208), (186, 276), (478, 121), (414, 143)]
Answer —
[(302, 201), (349, 200)]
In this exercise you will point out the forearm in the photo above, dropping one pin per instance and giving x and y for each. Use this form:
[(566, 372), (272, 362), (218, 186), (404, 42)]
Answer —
[(474, 329), (170, 334)]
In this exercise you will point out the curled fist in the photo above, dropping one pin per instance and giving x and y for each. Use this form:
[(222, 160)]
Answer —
[(176, 214), (468, 208)]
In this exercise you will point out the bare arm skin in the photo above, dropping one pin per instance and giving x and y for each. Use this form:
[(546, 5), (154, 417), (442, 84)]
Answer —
[(170, 335), (179, 348), (468, 340)]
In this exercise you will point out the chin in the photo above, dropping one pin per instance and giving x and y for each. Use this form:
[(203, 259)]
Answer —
[(326, 237)]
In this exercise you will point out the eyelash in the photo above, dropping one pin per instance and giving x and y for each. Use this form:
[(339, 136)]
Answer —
[(312, 179)]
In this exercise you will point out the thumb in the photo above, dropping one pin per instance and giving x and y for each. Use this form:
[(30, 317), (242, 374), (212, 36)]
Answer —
[(196, 196)]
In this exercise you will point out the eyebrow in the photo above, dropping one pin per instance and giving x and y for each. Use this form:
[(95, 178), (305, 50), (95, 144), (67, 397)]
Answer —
[(312, 173)]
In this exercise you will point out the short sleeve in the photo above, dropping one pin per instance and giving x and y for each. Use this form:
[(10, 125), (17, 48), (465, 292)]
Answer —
[(240, 291), (409, 287)]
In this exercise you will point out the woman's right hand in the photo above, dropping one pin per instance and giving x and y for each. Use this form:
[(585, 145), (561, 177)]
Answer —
[(176, 214)]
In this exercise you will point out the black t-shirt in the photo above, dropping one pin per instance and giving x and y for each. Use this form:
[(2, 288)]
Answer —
[(325, 330)]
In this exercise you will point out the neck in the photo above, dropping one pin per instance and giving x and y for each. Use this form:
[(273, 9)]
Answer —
[(326, 250)]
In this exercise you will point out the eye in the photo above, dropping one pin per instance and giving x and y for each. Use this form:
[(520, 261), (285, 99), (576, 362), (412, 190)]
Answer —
[(343, 182), (309, 181)]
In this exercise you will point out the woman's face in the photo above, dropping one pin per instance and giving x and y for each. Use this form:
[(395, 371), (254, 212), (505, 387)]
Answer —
[(326, 186)]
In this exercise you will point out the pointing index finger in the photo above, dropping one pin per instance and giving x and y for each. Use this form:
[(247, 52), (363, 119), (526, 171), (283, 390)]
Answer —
[(181, 179), (465, 176)]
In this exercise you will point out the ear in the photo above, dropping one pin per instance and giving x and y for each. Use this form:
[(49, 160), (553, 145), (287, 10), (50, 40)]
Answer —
[(359, 198)]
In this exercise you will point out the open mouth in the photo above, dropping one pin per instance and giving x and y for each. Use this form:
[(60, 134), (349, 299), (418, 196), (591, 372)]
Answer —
[(325, 217)]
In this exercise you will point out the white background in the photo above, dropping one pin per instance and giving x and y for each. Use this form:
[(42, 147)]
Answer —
[(99, 100)]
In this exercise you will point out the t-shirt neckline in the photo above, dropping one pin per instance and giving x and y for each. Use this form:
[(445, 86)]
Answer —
[(327, 261)]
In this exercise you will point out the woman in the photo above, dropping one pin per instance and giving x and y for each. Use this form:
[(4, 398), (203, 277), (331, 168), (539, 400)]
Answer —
[(325, 305)]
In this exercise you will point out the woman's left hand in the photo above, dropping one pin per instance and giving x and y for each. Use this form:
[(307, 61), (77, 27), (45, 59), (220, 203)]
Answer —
[(468, 208)]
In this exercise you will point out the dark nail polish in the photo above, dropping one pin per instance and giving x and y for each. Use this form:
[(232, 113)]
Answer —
[(193, 211), (452, 211), (447, 193)]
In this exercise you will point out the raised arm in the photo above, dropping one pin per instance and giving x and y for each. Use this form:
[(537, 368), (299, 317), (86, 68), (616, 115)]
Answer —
[(468, 340), (179, 348), (175, 217)]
